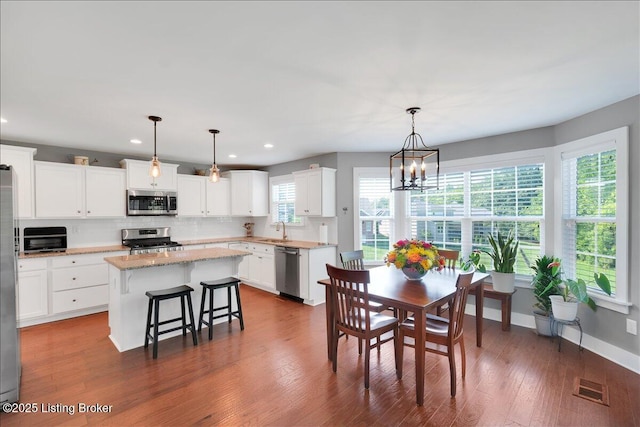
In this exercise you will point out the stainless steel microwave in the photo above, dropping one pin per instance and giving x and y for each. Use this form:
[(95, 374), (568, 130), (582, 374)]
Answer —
[(146, 202)]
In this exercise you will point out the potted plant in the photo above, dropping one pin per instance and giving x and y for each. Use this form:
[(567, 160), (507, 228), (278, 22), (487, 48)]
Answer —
[(503, 253), (546, 281), (572, 292)]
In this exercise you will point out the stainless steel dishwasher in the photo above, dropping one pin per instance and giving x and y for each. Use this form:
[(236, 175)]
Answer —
[(288, 271)]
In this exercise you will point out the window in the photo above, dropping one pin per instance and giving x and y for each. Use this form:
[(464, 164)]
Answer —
[(374, 201), (594, 210), (283, 196), (504, 199), (435, 215)]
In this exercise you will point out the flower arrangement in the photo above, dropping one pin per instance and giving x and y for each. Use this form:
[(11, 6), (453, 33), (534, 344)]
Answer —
[(415, 255)]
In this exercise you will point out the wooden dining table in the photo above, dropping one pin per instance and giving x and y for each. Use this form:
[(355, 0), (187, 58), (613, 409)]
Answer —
[(388, 286)]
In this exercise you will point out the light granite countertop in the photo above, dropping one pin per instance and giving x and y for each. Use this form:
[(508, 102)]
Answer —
[(132, 262), (300, 244)]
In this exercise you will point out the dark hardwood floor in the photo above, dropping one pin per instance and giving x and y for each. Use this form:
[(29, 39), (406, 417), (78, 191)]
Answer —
[(276, 372)]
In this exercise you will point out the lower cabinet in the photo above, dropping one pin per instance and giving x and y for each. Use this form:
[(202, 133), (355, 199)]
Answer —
[(257, 269), (313, 268), (33, 291), (60, 287)]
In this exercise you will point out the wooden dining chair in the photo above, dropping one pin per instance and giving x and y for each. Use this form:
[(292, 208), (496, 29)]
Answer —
[(442, 334), (350, 300), (450, 259)]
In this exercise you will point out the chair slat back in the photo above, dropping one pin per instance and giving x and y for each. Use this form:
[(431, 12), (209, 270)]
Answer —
[(456, 319), (353, 260), (350, 294), (450, 256)]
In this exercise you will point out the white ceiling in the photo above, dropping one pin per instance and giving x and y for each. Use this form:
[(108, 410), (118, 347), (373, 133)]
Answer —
[(307, 77)]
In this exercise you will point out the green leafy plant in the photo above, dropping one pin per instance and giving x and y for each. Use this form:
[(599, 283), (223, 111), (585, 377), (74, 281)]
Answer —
[(577, 289), (503, 252), (546, 281), (473, 262)]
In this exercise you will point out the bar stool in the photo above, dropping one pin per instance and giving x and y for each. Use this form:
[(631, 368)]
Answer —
[(183, 292), (211, 286)]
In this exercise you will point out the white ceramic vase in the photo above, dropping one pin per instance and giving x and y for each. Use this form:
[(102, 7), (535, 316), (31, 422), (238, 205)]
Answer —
[(503, 282), (563, 310)]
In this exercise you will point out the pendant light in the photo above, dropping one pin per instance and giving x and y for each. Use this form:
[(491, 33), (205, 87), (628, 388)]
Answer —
[(414, 155), (154, 169), (214, 175)]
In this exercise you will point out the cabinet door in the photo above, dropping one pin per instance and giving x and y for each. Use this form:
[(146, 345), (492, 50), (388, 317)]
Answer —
[(243, 266), (32, 294), (259, 193), (138, 176), (191, 195), (59, 190), (105, 190), (268, 270), (314, 193), (240, 194), (21, 159), (219, 197), (301, 206)]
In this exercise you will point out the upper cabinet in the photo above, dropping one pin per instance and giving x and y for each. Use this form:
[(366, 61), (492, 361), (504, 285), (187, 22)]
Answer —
[(21, 159), (249, 192), (138, 176), (315, 192), (197, 196), (73, 191)]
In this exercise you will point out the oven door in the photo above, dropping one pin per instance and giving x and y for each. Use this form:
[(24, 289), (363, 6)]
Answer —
[(151, 203)]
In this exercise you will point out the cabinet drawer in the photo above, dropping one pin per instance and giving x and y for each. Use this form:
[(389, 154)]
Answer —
[(262, 249), (77, 299), (74, 260), (79, 277), (32, 264)]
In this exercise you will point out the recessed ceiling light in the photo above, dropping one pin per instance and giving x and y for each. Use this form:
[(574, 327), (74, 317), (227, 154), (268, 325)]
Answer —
[(3, 120), (136, 141), (232, 156), (268, 145)]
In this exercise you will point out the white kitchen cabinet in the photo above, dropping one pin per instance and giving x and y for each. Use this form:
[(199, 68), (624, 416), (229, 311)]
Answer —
[(197, 196), (315, 192), (218, 197), (75, 191), (138, 175), (105, 192), (191, 195), (243, 265), (21, 159), (249, 192), (313, 268), (33, 292), (258, 269), (79, 282)]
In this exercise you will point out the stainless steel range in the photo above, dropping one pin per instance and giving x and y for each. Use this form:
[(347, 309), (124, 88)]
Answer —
[(149, 240)]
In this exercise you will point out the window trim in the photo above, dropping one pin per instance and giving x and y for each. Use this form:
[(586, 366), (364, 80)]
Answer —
[(617, 139), (276, 180)]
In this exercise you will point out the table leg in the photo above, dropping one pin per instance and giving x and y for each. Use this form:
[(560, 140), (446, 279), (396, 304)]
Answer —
[(330, 319), (479, 312), (420, 325)]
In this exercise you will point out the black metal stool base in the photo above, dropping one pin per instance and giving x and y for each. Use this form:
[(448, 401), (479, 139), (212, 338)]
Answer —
[(184, 293), (211, 286)]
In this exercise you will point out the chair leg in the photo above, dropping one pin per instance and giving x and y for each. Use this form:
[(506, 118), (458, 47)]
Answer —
[(452, 370), (334, 350), (146, 334), (156, 320), (239, 307), (201, 318), (367, 351), (193, 325), (360, 345), (395, 346), (463, 357), (378, 343), (184, 316)]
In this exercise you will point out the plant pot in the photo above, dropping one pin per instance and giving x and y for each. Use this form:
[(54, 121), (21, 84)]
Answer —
[(563, 310), (503, 282), (543, 324)]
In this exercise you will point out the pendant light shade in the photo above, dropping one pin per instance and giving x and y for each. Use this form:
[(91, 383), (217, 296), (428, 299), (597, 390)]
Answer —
[(411, 167), (214, 175), (154, 169)]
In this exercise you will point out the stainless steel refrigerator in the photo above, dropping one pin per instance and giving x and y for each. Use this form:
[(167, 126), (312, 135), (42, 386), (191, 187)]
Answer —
[(9, 338)]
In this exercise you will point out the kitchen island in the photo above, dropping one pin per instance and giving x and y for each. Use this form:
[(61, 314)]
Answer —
[(130, 276)]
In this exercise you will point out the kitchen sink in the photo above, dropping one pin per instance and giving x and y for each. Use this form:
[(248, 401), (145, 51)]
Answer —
[(273, 241)]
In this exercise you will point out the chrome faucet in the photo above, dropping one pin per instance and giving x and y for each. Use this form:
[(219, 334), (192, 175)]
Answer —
[(284, 229)]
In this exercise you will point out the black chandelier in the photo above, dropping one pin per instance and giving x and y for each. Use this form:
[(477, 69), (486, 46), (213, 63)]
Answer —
[(410, 167)]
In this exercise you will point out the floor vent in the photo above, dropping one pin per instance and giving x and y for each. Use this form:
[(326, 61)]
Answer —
[(590, 390)]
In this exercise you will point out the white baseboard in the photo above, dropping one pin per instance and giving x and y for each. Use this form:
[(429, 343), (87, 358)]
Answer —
[(615, 354)]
